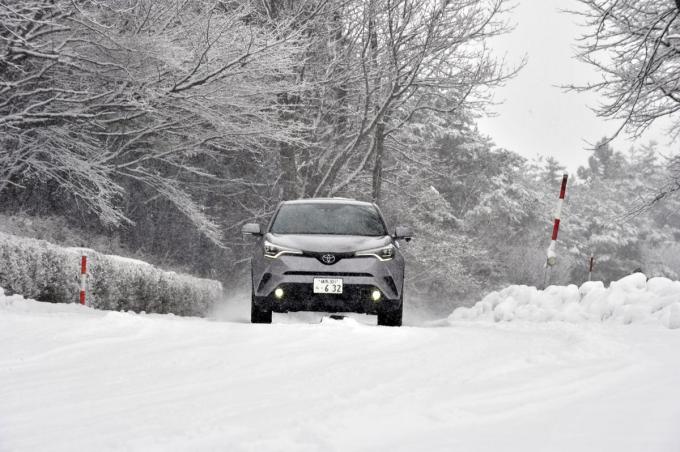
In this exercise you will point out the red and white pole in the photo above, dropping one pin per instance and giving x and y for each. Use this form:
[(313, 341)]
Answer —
[(590, 267), (83, 278), (552, 253)]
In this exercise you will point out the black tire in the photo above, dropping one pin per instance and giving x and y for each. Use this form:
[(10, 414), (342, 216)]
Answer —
[(391, 318), (258, 315)]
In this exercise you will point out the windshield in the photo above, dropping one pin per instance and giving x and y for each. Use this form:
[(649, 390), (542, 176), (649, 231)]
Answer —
[(327, 218)]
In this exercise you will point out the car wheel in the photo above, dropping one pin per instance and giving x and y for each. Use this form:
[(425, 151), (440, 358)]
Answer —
[(257, 314), (391, 318)]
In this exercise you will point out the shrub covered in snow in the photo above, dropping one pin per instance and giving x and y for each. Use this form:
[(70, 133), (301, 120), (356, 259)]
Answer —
[(46, 272), (633, 299)]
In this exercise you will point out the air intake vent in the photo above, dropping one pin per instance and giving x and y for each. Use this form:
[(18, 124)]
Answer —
[(390, 282), (265, 279)]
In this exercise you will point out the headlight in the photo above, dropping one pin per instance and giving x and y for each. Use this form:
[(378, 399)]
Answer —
[(384, 253), (274, 251)]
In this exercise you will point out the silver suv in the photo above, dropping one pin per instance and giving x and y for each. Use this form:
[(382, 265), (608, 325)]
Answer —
[(328, 255)]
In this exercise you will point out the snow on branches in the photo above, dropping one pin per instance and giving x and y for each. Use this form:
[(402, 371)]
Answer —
[(96, 93), (636, 47)]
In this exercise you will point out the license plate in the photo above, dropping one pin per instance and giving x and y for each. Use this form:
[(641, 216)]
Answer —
[(327, 285)]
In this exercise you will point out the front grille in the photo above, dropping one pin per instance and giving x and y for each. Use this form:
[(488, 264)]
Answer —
[(303, 292), (346, 274), (319, 256)]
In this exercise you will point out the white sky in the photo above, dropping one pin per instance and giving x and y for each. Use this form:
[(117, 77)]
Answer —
[(536, 116)]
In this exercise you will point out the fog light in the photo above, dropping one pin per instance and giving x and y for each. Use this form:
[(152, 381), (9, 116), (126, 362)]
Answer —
[(278, 293), (376, 295)]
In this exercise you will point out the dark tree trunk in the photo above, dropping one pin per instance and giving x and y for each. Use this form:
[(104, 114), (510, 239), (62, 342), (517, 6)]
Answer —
[(287, 152), (289, 169), (377, 168), (380, 126)]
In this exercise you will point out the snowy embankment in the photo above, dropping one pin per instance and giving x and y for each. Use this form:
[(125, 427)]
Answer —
[(76, 378), (633, 299), (48, 272)]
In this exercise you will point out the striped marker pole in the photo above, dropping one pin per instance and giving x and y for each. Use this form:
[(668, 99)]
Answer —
[(83, 278), (590, 267), (552, 254)]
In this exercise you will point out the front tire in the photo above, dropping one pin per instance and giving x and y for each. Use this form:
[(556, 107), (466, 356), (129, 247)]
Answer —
[(391, 318), (257, 314)]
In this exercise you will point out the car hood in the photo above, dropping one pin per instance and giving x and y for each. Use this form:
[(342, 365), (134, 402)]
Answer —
[(322, 243)]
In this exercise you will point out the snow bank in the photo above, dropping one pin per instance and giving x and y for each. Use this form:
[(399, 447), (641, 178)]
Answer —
[(8, 300), (46, 272), (633, 299), (18, 304)]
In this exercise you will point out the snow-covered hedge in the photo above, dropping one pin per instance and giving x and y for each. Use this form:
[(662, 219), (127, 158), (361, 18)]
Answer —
[(40, 270), (633, 299)]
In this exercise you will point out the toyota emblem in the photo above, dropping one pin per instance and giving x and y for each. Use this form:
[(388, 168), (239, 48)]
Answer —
[(328, 259)]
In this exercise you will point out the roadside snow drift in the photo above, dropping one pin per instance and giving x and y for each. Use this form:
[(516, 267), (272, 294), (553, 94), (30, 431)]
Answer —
[(48, 272), (74, 378), (632, 299)]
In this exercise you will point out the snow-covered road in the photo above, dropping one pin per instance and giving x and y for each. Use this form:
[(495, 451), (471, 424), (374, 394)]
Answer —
[(73, 378)]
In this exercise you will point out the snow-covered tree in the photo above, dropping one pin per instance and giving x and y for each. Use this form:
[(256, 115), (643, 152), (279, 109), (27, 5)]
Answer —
[(95, 95), (635, 45), (374, 67)]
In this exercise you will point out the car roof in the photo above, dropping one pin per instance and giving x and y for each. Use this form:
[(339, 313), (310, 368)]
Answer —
[(328, 200)]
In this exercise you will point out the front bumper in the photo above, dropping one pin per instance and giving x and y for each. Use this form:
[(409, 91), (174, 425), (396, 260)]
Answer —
[(360, 276)]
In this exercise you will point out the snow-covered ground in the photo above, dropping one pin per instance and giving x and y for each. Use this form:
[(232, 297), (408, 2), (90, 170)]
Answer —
[(74, 378)]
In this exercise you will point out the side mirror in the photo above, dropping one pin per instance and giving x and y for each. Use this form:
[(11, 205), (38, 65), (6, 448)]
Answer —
[(252, 229), (402, 232)]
